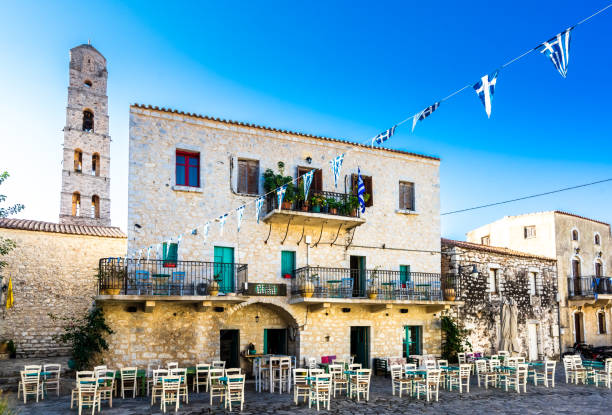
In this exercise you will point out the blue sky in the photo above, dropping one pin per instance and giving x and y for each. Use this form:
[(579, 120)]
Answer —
[(341, 69)]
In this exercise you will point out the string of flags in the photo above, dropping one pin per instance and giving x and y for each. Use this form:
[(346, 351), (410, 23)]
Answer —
[(557, 49)]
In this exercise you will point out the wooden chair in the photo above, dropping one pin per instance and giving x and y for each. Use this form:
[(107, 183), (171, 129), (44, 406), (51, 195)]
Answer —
[(178, 282), (201, 377), (483, 373), (301, 388), (218, 364), (517, 379), (339, 380), (315, 372), (150, 368), (234, 391), (503, 353), (429, 385), (106, 386), (215, 386), (285, 374), (568, 367), (311, 363), (143, 282), (52, 381), (38, 368), (441, 363), (233, 371), (172, 365), (170, 392), (460, 378), (360, 384), (157, 387), (88, 394), (511, 362), (30, 384), (462, 358), (320, 391), (354, 366), (128, 381), (547, 375), (605, 376), (399, 381), (430, 364), (74, 394), (183, 389)]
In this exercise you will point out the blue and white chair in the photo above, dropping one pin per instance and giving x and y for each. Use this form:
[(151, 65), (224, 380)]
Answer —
[(143, 282), (178, 281)]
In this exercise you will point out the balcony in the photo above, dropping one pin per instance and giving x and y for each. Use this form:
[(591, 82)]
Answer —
[(334, 209), (589, 290), (380, 288)]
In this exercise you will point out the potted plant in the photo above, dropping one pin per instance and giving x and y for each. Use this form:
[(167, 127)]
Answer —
[(317, 202), (353, 204), (373, 284), (273, 181), (304, 202), (307, 286), (333, 205), (113, 280), (449, 289), (213, 288)]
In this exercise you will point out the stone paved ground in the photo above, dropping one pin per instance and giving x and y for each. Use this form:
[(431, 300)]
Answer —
[(563, 399)]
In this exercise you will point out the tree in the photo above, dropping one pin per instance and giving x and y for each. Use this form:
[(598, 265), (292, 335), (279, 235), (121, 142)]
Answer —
[(7, 245), (454, 338)]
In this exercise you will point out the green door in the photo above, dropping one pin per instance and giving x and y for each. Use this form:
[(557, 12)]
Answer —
[(287, 263), (412, 340), (404, 274), (224, 268)]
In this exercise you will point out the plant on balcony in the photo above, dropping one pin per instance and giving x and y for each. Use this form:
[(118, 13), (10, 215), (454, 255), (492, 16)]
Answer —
[(273, 181), (353, 204), (213, 288), (307, 285), (454, 338), (333, 205), (112, 280), (304, 202), (317, 202), (373, 284)]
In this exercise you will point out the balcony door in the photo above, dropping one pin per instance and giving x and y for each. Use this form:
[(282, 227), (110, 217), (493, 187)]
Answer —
[(358, 274), (576, 276), (224, 268)]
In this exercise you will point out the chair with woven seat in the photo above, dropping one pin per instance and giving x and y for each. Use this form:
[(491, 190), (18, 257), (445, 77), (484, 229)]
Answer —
[(87, 394), (301, 388), (234, 391), (52, 379), (183, 389), (430, 364), (360, 384), (201, 377), (430, 385), (320, 391), (604, 376), (156, 385), (339, 380), (106, 386), (354, 366), (215, 385), (29, 384), (172, 365), (81, 374), (516, 379), (547, 375), (484, 374), (399, 381), (170, 392), (460, 378), (128, 381), (218, 364)]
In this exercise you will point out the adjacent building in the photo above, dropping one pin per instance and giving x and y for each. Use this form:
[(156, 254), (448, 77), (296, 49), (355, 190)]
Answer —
[(583, 249), (311, 278)]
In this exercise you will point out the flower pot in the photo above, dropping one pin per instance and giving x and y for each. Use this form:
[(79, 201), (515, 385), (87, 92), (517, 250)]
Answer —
[(112, 291), (287, 205), (304, 208), (316, 209), (333, 211), (4, 347), (213, 288), (307, 289), (372, 295), (449, 294)]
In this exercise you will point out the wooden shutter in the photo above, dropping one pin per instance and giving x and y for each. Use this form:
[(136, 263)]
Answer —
[(243, 173), (317, 179), (248, 176), (406, 195)]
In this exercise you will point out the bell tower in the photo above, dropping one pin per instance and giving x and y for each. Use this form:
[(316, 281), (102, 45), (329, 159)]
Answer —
[(85, 198)]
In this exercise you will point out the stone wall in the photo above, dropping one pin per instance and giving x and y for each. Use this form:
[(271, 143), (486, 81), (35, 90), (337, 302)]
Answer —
[(51, 273), (481, 311)]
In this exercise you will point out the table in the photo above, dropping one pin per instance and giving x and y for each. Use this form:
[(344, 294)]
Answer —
[(447, 368), (593, 363)]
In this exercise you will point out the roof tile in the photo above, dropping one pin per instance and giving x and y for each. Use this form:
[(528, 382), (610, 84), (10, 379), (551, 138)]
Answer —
[(41, 226)]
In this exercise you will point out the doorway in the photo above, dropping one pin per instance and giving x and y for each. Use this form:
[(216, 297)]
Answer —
[(358, 274), (576, 276), (578, 328), (412, 340), (229, 342), (532, 334), (360, 345), (275, 341), (224, 268)]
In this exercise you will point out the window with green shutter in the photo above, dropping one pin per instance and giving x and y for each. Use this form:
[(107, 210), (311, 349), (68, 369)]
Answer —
[(404, 273), (287, 263), (170, 252)]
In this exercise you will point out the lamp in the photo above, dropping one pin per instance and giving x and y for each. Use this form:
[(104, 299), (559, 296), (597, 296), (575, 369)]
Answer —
[(257, 318), (308, 159), (473, 273)]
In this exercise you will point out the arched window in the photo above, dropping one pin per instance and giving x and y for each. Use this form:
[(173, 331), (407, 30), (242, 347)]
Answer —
[(597, 239), (78, 160), (88, 121), (87, 83), (95, 164), (95, 206), (574, 235), (601, 322), (76, 204)]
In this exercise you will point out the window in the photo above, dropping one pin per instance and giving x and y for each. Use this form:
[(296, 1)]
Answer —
[(88, 121), (601, 322), (485, 240), (187, 169), (404, 275), (248, 176), (597, 239), (574, 235), (170, 254), (317, 179), (78, 160), (95, 164), (532, 283), (493, 273), (87, 83), (598, 269), (287, 263), (95, 206), (406, 196), (76, 204), (529, 232), (367, 183)]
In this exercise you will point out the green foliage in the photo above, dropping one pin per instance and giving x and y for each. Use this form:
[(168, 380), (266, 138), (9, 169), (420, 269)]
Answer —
[(6, 245), (85, 336), (5, 408), (12, 349), (455, 338), (273, 181)]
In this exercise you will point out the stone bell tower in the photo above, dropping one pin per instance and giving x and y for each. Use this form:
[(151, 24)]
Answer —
[(85, 198)]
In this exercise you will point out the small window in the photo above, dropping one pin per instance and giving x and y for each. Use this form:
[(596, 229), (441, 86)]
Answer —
[(95, 164), (369, 188), (287, 264), (601, 322), (248, 176), (529, 232), (406, 196), (95, 206), (532, 283), (485, 240), (88, 121), (575, 236), (87, 83), (76, 204), (78, 160), (187, 169), (493, 274), (597, 239)]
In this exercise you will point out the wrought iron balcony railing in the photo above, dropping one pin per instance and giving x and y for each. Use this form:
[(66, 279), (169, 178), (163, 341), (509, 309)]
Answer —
[(588, 286), (320, 282), (329, 203), (122, 276)]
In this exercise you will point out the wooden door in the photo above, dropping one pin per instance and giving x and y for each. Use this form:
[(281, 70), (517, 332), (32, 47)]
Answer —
[(532, 331), (578, 328), (576, 276)]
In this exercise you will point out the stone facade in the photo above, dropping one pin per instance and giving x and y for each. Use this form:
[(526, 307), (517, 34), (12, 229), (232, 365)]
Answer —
[(553, 238), (160, 210), (86, 92), (52, 272), (481, 310)]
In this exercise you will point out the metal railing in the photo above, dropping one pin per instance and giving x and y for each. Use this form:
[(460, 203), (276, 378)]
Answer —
[(588, 286), (122, 276), (329, 203), (322, 282)]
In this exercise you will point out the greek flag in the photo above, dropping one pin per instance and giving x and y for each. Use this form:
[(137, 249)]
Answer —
[(360, 190), (557, 49), (179, 239), (485, 89), (159, 254), (336, 165), (194, 231), (424, 114), (222, 220), (239, 213), (148, 253), (307, 182), (206, 229), (280, 194), (384, 136), (258, 205)]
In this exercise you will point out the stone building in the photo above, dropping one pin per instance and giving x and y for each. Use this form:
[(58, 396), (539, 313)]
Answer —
[(295, 280), (583, 249), (85, 198), (529, 280)]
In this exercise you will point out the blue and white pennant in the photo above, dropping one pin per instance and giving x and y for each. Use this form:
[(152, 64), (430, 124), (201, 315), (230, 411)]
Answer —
[(557, 50), (280, 194), (258, 205), (307, 182), (336, 165), (384, 136), (239, 213), (222, 220), (485, 88)]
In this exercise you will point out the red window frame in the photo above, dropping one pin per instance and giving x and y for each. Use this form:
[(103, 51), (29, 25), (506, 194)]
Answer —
[(189, 155)]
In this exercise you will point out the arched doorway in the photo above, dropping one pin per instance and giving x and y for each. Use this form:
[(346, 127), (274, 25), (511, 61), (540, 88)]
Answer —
[(579, 327)]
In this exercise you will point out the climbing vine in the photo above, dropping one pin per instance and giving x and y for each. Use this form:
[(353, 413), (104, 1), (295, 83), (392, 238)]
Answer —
[(454, 338)]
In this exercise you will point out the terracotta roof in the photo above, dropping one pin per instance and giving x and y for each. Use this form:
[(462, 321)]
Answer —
[(40, 226), (245, 124), (581, 217), (492, 249)]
